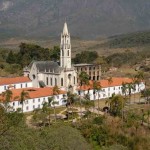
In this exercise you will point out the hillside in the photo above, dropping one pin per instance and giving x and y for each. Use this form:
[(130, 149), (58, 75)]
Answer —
[(137, 41), (86, 19)]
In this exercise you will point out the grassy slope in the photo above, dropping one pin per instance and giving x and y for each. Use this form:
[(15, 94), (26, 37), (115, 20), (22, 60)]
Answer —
[(134, 42)]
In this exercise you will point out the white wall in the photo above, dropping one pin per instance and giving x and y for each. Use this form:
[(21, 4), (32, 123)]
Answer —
[(32, 104), (3, 88), (107, 92)]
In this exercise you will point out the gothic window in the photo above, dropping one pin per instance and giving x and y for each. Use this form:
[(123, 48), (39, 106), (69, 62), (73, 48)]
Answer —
[(51, 81), (68, 53), (33, 76), (55, 82), (97, 77), (47, 80), (74, 80), (93, 77), (62, 53), (62, 83)]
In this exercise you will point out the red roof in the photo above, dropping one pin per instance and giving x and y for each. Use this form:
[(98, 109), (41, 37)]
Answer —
[(106, 83), (7, 81), (33, 93)]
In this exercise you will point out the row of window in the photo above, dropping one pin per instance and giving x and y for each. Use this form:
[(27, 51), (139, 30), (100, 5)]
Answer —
[(68, 53), (62, 81), (51, 81), (87, 68), (14, 86), (27, 107), (90, 73)]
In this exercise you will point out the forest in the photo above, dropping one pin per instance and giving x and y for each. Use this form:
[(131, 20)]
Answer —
[(12, 62)]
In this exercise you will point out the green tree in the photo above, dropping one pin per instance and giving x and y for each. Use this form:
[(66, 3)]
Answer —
[(139, 77), (55, 53), (6, 98), (116, 103), (97, 89), (146, 94), (9, 120), (10, 58), (124, 89), (56, 91), (130, 87), (84, 78), (22, 97)]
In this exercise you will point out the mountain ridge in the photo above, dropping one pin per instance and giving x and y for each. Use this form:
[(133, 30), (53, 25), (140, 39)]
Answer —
[(86, 19)]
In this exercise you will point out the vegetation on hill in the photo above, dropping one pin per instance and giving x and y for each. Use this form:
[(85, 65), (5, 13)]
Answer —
[(85, 57), (129, 40), (15, 135), (12, 62)]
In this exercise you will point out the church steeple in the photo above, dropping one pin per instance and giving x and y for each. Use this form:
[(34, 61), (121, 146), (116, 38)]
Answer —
[(65, 48), (65, 30)]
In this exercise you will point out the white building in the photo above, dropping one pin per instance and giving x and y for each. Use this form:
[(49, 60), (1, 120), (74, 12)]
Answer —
[(49, 73), (37, 97), (108, 89), (14, 83)]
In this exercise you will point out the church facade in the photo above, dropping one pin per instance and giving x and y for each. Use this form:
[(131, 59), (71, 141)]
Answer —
[(64, 75), (49, 73)]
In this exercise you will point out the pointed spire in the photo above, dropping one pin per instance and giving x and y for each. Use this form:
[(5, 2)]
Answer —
[(65, 30)]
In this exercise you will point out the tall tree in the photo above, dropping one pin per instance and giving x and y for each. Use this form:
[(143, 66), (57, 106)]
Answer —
[(139, 77), (84, 81), (124, 89), (6, 98), (116, 103), (22, 97), (97, 89), (56, 91), (130, 87)]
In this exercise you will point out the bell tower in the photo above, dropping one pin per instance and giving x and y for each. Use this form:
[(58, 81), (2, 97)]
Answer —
[(65, 48)]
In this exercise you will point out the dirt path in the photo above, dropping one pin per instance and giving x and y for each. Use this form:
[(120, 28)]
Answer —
[(28, 122)]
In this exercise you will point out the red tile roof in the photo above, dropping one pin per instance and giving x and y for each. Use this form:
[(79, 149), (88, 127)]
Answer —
[(33, 93), (106, 83), (7, 81)]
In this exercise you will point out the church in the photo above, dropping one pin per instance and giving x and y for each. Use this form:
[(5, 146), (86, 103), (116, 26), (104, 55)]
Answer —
[(49, 73), (64, 74)]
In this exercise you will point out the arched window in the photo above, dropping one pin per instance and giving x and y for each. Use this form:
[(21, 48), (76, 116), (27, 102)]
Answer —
[(55, 82), (74, 80), (62, 82), (94, 78), (62, 53), (47, 80), (97, 77), (51, 81), (68, 53)]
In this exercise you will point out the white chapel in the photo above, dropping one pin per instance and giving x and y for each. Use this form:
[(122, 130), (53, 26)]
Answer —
[(49, 73)]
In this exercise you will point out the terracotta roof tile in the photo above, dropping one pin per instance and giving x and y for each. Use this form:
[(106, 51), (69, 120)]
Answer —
[(7, 81), (105, 83), (33, 92)]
